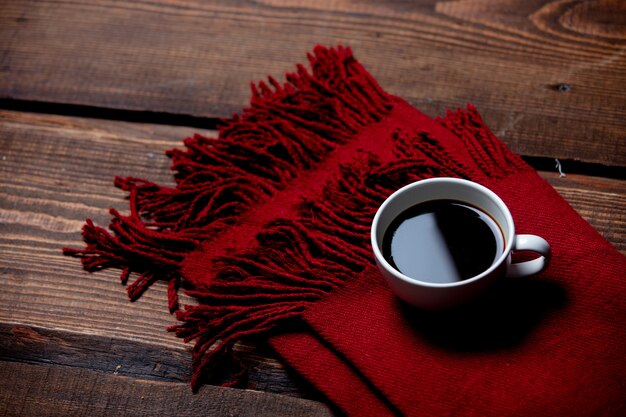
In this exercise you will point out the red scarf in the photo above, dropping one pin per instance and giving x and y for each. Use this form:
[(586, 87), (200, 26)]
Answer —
[(268, 227)]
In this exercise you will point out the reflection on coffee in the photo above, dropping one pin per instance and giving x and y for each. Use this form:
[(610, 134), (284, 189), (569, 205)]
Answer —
[(442, 241)]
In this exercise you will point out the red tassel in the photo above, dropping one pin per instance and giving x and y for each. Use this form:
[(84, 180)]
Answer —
[(134, 248), (491, 157), (299, 261), (286, 130)]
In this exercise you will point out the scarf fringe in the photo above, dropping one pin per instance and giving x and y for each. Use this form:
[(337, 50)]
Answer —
[(297, 262), (285, 131), (491, 156)]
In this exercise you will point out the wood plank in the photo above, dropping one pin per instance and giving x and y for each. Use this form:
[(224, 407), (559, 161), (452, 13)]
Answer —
[(57, 170), (125, 357), (600, 201), (34, 390), (134, 358), (45, 195), (547, 75)]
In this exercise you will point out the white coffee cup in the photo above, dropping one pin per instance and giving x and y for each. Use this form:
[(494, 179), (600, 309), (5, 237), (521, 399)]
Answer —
[(433, 295)]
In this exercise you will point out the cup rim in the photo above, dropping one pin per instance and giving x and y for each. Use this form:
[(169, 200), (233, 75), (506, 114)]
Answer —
[(509, 233)]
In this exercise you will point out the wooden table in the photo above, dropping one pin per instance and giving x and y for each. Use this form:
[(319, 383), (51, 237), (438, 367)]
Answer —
[(91, 89)]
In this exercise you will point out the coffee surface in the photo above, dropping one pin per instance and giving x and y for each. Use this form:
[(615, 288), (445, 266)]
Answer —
[(442, 241)]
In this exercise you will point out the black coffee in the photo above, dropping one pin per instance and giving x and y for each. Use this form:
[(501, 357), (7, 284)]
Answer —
[(442, 241)]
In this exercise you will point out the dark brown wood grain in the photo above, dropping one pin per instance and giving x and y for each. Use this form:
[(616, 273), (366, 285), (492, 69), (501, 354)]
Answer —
[(58, 170), (35, 390), (548, 76), (134, 358), (122, 356), (601, 201)]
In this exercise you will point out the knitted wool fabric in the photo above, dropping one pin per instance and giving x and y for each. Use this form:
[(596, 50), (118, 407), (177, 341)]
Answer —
[(268, 227), (551, 345)]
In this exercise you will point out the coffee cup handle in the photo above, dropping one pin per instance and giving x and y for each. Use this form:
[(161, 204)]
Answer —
[(534, 244)]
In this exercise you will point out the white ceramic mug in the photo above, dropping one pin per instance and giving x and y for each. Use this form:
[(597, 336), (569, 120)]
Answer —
[(429, 295)]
